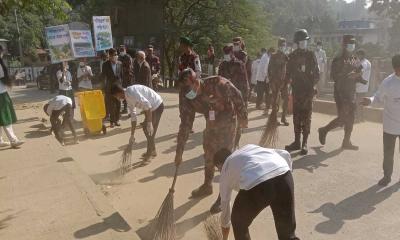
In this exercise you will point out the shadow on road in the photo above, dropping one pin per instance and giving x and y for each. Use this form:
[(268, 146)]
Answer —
[(146, 232), (312, 162), (352, 208), (167, 170), (114, 222), (194, 140)]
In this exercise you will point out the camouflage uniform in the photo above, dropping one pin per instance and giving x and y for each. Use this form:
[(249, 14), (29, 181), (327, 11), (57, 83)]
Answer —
[(219, 95), (235, 71), (303, 71), (192, 61), (278, 81)]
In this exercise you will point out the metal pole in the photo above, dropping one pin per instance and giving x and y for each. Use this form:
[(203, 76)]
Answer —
[(21, 57)]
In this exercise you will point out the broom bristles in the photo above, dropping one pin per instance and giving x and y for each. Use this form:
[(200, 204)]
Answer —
[(212, 228), (126, 159), (164, 222), (270, 136)]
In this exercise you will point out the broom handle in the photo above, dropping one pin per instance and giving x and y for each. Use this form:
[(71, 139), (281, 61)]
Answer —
[(175, 177)]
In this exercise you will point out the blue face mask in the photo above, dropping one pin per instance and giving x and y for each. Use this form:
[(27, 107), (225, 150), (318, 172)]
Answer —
[(192, 94)]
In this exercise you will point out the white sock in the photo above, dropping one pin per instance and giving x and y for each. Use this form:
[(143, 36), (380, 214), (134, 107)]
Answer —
[(10, 133)]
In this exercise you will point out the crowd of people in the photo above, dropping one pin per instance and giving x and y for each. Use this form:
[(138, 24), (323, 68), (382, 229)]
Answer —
[(261, 175)]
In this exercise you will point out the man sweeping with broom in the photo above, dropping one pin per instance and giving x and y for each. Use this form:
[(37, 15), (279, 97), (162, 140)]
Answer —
[(263, 178), (222, 105), (145, 98), (278, 83)]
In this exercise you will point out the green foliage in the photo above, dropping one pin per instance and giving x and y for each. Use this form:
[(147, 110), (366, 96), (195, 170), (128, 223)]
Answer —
[(214, 21), (32, 21)]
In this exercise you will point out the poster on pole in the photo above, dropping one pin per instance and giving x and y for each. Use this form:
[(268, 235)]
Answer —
[(102, 32), (82, 44), (59, 42)]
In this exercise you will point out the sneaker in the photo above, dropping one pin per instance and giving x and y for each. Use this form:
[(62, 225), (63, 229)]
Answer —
[(117, 124), (202, 191), (5, 144), (384, 181), (17, 144), (284, 122)]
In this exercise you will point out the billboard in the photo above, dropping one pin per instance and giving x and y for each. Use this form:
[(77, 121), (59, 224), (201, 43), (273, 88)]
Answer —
[(59, 42), (82, 44), (102, 32)]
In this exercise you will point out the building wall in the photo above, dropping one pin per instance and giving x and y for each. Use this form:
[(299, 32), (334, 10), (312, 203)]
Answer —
[(136, 23)]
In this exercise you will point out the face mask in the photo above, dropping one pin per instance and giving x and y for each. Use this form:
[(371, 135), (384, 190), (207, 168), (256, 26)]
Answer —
[(236, 48), (303, 44), (227, 57), (319, 48), (192, 94), (282, 48), (81, 64), (122, 54), (350, 47)]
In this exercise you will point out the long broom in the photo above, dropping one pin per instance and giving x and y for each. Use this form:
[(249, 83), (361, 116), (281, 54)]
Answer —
[(212, 228), (126, 159), (270, 136), (164, 222)]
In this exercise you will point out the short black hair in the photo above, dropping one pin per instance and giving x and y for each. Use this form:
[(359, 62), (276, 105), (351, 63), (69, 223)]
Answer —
[(116, 88), (396, 61), (319, 43), (112, 51), (221, 155), (263, 50), (45, 107)]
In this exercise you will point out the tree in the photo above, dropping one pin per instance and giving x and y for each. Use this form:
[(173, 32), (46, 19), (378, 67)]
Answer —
[(213, 21), (59, 8), (391, 9)]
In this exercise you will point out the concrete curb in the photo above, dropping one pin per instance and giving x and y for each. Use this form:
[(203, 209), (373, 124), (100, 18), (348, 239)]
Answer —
[(329, 107)]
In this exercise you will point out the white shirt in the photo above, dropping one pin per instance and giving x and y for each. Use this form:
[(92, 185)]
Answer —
[(321, 59), (254, 70), (246, 168), (389, 94), (67, 80), (57, 103), (85, 82), (114, 67), (143, 97), (366, 75), (262, 72)]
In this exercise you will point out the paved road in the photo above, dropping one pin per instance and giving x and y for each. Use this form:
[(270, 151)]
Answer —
[(336, 193)]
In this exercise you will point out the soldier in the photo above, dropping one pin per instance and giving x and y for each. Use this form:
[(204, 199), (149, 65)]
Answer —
[(234, 70), (303, 71), (346, 71), (189, 58), (127, 71), (222, 105), (278, 80)]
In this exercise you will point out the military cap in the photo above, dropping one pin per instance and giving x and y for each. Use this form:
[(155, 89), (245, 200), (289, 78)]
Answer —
[(348, 38), (186, 41), (228, 48)]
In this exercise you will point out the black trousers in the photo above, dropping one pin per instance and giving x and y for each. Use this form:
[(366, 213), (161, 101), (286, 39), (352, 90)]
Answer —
[(151, 146), (389, 143), (263, 88), (277, 193), (57, 126), (346, 115), (113, 108)]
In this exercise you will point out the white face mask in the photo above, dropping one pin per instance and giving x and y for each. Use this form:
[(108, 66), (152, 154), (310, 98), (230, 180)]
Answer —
[(122, 54), (303, 44), (351, 47), (81, 64), (236, 48), (227, 57), (282, 48), (319, 48)]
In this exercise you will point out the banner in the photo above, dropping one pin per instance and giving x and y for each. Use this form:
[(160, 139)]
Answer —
[(82, 44), (102, 32), (59, 42)]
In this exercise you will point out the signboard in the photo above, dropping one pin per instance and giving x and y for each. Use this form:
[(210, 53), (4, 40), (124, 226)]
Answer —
[(102, 32), (59, 42), (82, 44)]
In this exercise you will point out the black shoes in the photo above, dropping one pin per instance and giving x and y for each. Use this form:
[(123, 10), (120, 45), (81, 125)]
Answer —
[(202, 191), (347, 145), (293, 147), (384, 181), (304, 149), (322, 136)]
